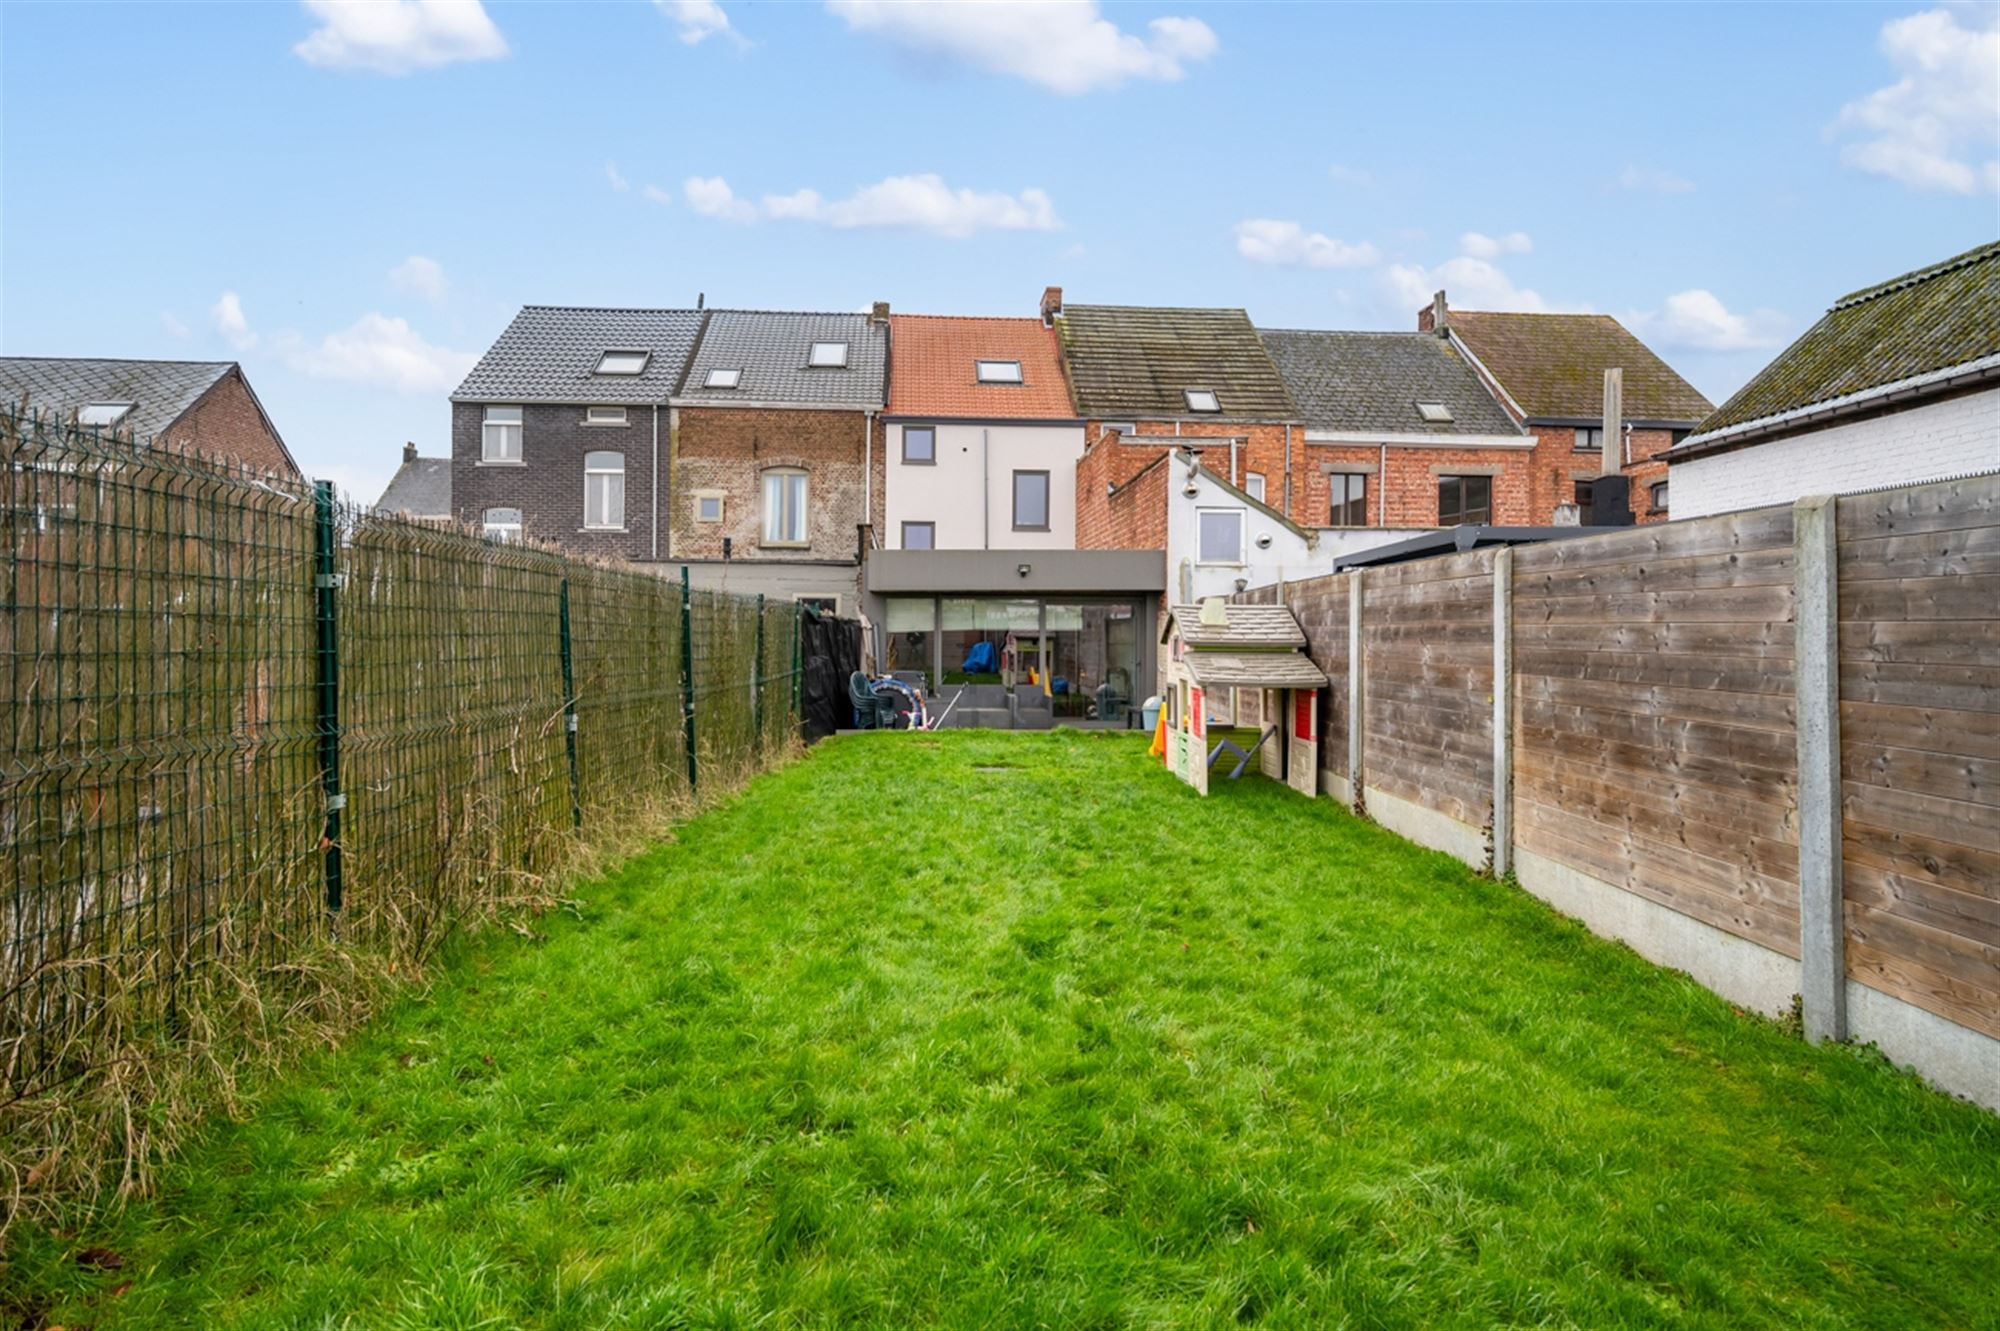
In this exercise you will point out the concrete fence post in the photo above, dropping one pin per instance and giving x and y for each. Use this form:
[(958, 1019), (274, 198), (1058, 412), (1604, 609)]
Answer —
[(1357, 695), (1816, 679), (1503, 711)]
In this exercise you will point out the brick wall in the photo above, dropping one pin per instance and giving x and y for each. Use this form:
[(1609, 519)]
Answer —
[(547, 484), (226, 424), (727, 450), (1408, 478), (1135, 518), (1953, 437), (1559, 466), (1260, 449)]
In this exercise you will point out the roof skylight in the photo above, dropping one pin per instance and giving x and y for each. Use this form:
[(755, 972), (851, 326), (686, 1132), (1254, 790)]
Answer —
[(828, 356), (722, 379), (623, 362), (1434, 413), (103, 413), (1202, 399), (999, 371)]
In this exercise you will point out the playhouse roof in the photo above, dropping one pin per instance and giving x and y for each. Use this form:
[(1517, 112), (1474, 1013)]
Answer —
[(1244, 628), (1254, 670), (1245, 647)]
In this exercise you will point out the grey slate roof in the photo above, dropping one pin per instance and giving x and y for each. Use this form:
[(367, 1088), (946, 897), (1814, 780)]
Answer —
[(1136, 362), (549, 353), (1370, 383), (160, 390), (770, 347), (1250, 627), (421, 488)]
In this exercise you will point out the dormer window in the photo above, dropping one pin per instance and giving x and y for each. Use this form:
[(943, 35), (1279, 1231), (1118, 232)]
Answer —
[(723, 379), (999, 371), (827, 356), (103, 413), (1202, 400), (623, 362), (1434, 413)]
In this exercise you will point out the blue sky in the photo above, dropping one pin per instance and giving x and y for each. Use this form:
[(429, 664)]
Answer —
[(353, 200)]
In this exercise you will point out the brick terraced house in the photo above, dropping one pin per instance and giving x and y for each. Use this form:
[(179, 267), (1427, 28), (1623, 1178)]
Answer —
[(1548, 371), (778, 452), (201, 408), (560, 431), (1400, 433)]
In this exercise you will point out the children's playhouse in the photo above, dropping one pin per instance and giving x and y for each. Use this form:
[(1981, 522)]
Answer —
[(1218, 647)]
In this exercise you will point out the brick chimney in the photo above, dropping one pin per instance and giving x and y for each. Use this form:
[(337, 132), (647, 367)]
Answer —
[(879, 312), (1051, 303), (409, 452), (1436, 317)]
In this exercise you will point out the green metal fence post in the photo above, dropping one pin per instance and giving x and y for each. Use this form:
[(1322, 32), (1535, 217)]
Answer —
[(757, 681), (569, 713), (687, 678), (798, 643), (327, 680)]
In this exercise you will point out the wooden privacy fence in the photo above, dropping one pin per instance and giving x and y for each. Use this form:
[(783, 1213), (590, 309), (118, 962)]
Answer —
[(240, 717), (1762, 747)]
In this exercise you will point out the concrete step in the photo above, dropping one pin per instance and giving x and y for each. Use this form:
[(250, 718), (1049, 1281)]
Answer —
[(978, 718)]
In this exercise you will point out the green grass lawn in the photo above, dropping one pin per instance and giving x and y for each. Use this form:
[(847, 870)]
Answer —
[(977, 1030)]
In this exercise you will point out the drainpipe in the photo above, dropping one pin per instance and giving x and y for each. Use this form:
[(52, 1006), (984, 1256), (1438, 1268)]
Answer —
[(985, 490), (868, 470), (1234, 479), (1288, 470), (1382, 488), (656, 480)]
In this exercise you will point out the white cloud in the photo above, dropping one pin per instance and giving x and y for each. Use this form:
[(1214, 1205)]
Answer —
[(420, 277), (618, 181), (1270, 240), (1350, 175), (698, 20), (657, 195), (1653, 180), (1937, 127), (172, 325), (920, 202), (381, 352), (1473, 284), (1066, 46), (1492, 247), (231, 322), (397, 36), (1698, 319)]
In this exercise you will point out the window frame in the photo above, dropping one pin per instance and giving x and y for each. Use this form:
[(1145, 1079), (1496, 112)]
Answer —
[(1434, 413), (498, 531), (1464, 481), (735, 374), (1048, 500), (1201, 557), (1255, 486), (803, 513), (903, 536), (645, 359), (110, 422), (979, 375), (909, 461), (487, 457), (813, 362), (1346, 500), (591, 418), (1657, 496), (717, 497), (598, 469), (1577, 437), (1189, 395)]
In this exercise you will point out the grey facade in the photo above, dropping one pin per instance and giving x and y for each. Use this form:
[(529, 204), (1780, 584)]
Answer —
[(547, 484)]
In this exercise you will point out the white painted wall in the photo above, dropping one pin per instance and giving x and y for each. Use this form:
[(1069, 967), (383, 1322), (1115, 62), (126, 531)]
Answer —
[(1189, 579), (974, 511), (1924, 443)]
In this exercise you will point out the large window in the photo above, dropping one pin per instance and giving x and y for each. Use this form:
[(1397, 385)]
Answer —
[(920, 444), (1347, 499), (1221, 534), (604, 490), (908, 623), (1031, 501), (920, 536), (785, 507), (500, 435), (1464, 499), (501, 524)]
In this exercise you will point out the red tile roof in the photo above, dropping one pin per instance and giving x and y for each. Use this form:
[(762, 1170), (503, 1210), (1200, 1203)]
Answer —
[(931, 371)]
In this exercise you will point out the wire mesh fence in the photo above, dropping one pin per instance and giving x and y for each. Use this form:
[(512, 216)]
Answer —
[(241, 718)]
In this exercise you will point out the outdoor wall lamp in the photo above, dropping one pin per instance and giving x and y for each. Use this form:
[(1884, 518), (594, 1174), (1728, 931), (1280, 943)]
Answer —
[(1024, 569)]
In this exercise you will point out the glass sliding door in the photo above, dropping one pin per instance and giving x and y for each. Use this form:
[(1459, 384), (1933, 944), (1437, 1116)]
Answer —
[(911, 624)]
